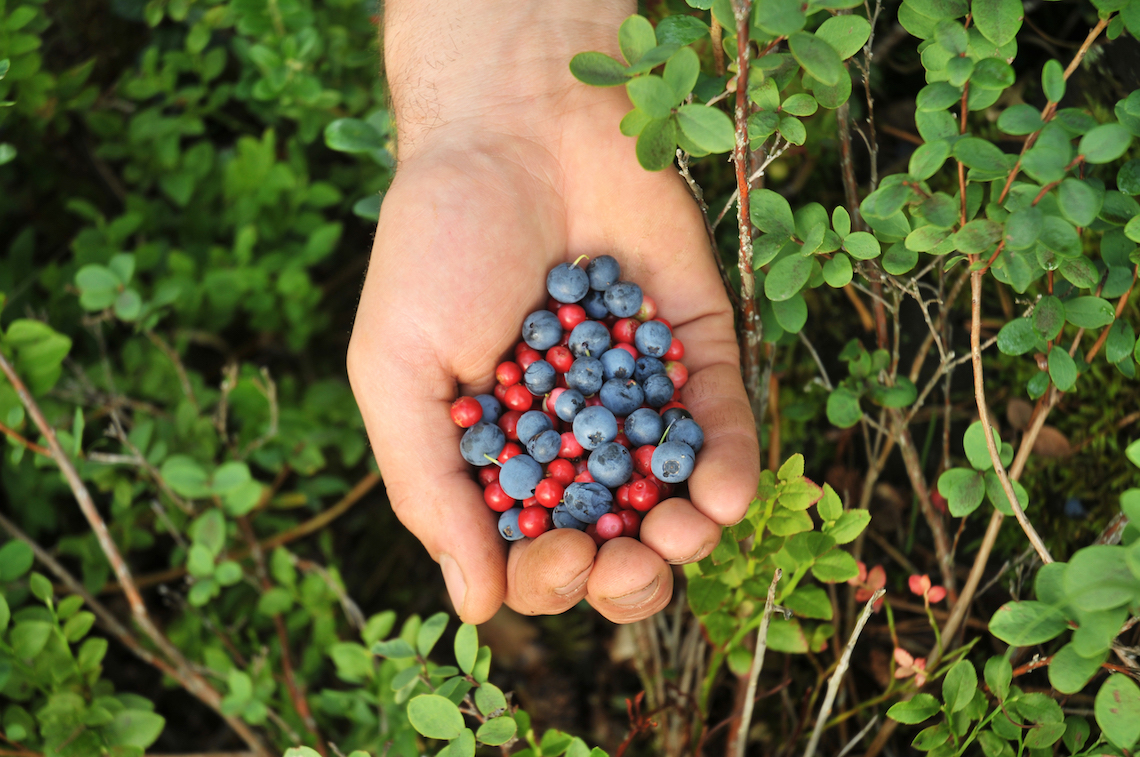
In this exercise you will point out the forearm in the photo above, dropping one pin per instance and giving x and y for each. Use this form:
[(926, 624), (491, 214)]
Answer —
[(488, 63)]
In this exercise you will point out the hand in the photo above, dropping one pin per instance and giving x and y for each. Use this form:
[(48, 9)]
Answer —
[(508, 166)]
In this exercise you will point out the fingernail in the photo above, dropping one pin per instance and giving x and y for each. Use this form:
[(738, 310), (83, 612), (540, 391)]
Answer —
[(575, 585), (698, 555), (453, 577), (638, 597)]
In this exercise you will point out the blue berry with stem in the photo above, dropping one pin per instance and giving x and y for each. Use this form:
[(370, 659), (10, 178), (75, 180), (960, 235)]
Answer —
[(672, 462), (686, 430), (567, 282), (482, 443), (541, 330), (674, 414)]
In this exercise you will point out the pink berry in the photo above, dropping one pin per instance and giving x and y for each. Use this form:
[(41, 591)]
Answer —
[(610, 526)]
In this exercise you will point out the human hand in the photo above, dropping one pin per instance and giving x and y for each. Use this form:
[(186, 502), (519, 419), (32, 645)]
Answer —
[(508, 167)]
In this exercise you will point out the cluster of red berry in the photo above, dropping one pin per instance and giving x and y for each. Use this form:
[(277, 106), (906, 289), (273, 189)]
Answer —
[(514, 396)]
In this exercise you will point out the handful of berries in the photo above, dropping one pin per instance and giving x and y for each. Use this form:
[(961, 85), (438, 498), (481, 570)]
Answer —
[(592, 435)]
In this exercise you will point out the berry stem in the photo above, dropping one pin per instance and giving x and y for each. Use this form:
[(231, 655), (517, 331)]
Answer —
[(578, 260), (665, 433), (493, 460)]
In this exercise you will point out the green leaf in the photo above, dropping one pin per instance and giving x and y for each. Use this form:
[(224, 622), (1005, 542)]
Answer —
[(681, 72), (1080, 272), (843, 408), (778, 18), (1105, 143), (1128, 178), (1022, 228), (845, 34), (918, 709), (963, 489), (998, 20), (275, 601), (787, 277), (1079, 202), (653, 95), (230, 475), (489, 699), (656, 144), (771, 213), (185, 476), (1121, 342), (394, 649), (353, 662), (40, 351), (434, 716), (135, 728), (497, 731), (978, 236), (209, 530), (817, 57), (1053, 80), (1023, 624), (28, 638), (353, 135), (1062, 369), (810, 602), (1069, 671), (5, 614), (1089, 312), (199, 561), (959, 686), (709, 128), (848, 526), (975, 443), (1017, 337), (635, 38), (792, 129), (861, 245), (1117, 710), (937, 96), (838, 272), (680, 29), (429, 633), (999, 675), (1020, 119), (997, 496), (928, 158), (834, 567), (791, 314), (466, 647), (951, 37), (992, 73), (981, 154), (1049, 317), (598, 70), (830, 508), (1098, 578), (799, 105), (1058, 236), (16, 559)]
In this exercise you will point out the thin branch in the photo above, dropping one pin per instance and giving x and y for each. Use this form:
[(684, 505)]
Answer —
[(184, 673), (757, 664), (15, 436), (840, 670), (699, 197), (818, 363), (858, 737)]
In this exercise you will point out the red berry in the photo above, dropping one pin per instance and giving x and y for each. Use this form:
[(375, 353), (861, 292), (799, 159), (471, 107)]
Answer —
[(570, 448), (628, 348), (673, 403), (510, 449), (648, 309), (548, 403), (560, 382), (580, 467), (535, 521), (676, 350), (623, 440), (632, 522), (497, 499), (520, 347), (677, 373), (669, 325), (643, 495), (593, 400), (642, 457), (518, 397), (466, 412), (488, 474), (610, 320), (549, 492), (560, 358), (621, 496), (570, 316), (500, 391), (624, 330), (552, 304), (610, 526), (509, 422), (508, 373), (565, 340), (561, 471), (530, 502), (584, 477), (592, 532), (526, 357)]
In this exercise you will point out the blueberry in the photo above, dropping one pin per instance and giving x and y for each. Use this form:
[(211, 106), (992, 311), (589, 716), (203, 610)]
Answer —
[(569, 404), (672, 462), (541, 330), (621, 396), (587, 502), (545, 446), (539, 377), (482, 439), (652, 338), (646, 367), (610, 465), (658, 389), (509, 524), (590, 339), (1075, 509), (563, 519), (618, 363), (644, 426), (594, 304), (519, 476), (531, 424), (586, 375), (674, 414), (623, 299), (492, 409), (568, 283), (686, 430), (603, 272), (593, 427)]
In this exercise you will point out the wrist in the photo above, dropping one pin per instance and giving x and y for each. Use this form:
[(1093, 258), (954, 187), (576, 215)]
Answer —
[(460, 68)]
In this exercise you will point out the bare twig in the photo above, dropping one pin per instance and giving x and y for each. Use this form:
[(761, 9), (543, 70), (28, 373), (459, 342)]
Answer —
[(858, 737), (837, 676), (19, 439), (176, 361), (757, 664)]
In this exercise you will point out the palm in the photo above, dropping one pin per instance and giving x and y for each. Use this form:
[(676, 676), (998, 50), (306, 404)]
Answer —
[(462, 249)]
